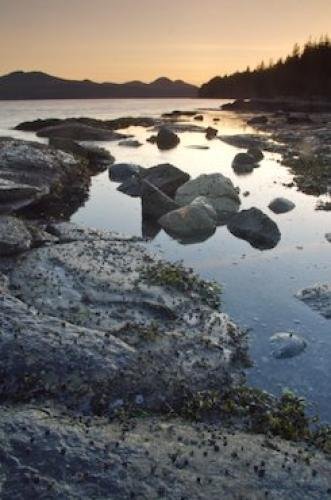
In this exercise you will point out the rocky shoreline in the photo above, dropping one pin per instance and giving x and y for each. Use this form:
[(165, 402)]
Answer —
[(299, 131), (121, 377)]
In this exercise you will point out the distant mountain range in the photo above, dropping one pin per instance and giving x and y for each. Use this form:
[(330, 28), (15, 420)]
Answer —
[(38, 85)]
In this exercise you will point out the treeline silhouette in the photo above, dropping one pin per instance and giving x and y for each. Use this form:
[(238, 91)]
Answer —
[(306, 73)]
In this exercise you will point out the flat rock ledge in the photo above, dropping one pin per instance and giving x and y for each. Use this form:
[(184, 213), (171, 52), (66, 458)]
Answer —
[(46, 453), (95, 333), (97, 321)]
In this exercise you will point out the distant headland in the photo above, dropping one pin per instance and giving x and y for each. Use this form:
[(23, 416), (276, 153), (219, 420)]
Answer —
[(21, 85)]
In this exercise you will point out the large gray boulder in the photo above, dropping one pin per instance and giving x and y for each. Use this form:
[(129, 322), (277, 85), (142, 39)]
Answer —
[(255, 227), (32, 173), (281, 205), (217, 189), (154, 202), (167, 139), (189, 224), (80, 132)]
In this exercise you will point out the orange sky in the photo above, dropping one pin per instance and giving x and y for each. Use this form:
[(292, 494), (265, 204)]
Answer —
[(120, 40)]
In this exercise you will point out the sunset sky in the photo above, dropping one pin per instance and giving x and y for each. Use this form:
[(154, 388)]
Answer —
[(120, 40)]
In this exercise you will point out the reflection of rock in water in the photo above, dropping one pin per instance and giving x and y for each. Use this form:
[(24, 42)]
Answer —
[(150, 228), (60, 207), (255, 227)]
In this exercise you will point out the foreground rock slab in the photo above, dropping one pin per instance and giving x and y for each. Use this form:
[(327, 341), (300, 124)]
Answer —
[(148, 459), (318, 297), (98, 323)]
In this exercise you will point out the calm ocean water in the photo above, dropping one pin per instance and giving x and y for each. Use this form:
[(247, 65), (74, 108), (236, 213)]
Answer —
[(258, 287)]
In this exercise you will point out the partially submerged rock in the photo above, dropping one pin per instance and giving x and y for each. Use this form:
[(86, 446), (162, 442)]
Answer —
[(255, 227), (287, 345), (80, 132), (318, 297), (167, 139), (256, 153), (166, 177), (189, 224), (217, 189), (328, 237), (281, 205), (211, 133), (120, 172), (115, 124), (243, 163), (130, 144)]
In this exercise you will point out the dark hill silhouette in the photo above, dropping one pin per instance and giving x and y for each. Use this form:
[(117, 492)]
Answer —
[(306, 73), (38, 85)]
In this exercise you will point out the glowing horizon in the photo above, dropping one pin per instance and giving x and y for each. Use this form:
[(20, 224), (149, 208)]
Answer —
[(117, 41)]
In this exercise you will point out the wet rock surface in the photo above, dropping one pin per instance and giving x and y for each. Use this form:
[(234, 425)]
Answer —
[(117, 327), (318, 297), (14, 236), (148, 458), (36, 174), (255, 227)]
